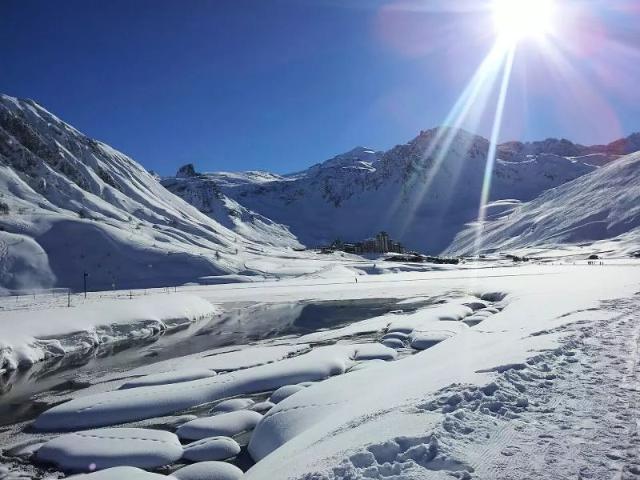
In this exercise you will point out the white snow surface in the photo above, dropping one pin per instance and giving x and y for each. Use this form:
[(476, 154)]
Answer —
[(226, 424), (29, 336), (146, 402), (351, 426), (597, 213), (211, 449), (209, 471), (121, 473), (112, 447), (423, 415)]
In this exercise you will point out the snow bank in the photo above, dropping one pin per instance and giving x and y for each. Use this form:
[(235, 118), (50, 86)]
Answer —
[(166, 378), (378, 422), (120, 406), (27, 337), (426, 337)]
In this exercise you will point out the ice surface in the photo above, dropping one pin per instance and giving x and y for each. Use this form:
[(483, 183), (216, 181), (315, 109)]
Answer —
[(111, 447)]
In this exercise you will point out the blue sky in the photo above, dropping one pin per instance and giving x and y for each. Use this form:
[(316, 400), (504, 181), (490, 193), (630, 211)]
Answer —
[(279, 85)]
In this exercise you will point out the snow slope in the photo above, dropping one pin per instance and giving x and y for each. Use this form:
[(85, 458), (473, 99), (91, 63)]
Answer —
[(402, 191), (207, 197), (599, 211), (70, 204)]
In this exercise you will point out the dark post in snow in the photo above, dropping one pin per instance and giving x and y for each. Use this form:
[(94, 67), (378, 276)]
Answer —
[(84, 276)]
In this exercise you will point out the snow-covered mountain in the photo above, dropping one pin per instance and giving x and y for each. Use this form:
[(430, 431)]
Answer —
[(207, 197), (599, 210), (70, 204), (422, 192)]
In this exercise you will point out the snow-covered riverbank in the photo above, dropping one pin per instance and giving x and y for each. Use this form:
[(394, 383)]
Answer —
[(30, 336), (486, 358)]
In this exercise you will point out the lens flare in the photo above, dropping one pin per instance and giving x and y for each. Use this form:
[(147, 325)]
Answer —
[(515, 20)]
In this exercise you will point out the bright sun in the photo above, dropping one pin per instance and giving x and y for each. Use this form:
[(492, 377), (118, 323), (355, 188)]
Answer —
[(518, 19)]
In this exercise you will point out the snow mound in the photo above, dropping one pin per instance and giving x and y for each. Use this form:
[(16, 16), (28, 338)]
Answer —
[(222, 425), (209, 471), (169, 377), (372, 351), (422, 318), (232, 405), (263, 407), (211, 449), (121, 473), (111, 447), (434, 334), (284, 392)]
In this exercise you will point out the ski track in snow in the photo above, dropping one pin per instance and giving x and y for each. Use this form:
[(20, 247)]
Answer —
[(571, 412)]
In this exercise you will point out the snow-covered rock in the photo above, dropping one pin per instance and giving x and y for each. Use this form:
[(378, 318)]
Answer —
[(372, 351), (169, 377), (263, 407), (284, 392), (31, 336), (211, 449), (232, 405), (208, 471), (222, 425), (111, 447)]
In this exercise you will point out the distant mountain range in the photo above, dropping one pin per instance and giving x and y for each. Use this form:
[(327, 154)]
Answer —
[(70, 204), (422, 192)]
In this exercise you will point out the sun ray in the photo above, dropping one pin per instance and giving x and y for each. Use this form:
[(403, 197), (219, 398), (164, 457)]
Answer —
[(473, 100), (493, 144)]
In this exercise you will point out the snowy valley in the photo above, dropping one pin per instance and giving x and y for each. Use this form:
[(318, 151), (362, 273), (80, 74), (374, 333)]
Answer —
[(212, 345)]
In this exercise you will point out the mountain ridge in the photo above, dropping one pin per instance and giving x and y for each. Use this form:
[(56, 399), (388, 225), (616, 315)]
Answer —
[(343, 188)]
